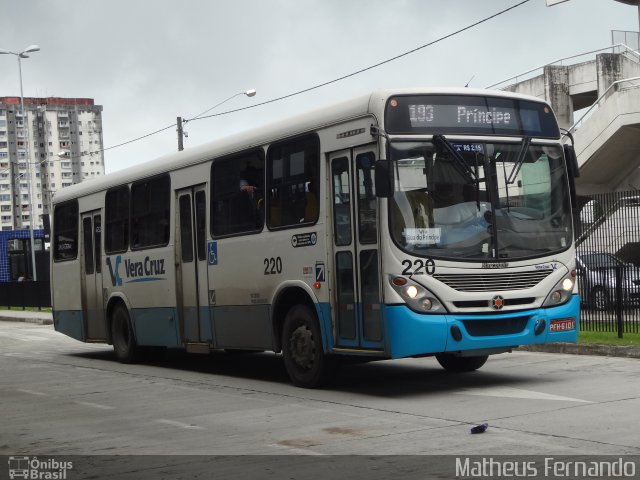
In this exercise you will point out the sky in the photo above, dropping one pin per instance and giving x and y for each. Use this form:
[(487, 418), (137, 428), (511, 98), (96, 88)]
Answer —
[(148, 62)]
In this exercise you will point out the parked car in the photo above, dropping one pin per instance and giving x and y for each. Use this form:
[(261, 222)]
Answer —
[(597, 280)]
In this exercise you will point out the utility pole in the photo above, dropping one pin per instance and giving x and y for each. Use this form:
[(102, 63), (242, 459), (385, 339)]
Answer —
[(179, 121), (180, 134)]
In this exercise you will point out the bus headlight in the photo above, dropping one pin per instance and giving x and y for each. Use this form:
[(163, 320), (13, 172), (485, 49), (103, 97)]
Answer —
[(417, 298), (562, 291), (411, 291), (567, 284)]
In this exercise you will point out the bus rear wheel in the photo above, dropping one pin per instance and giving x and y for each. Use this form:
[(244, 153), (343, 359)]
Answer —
[(304, 359), (124, 342), (453, 363)]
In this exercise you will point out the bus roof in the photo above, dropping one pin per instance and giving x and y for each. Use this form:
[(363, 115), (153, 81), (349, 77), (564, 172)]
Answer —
[(370, 104)]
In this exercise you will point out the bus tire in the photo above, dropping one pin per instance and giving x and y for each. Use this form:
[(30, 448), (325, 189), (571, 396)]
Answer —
[(124, 341), (304, 358), (453, 363)]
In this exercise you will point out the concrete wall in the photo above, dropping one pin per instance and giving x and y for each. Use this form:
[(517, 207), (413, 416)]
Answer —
[(556, 92), (611, 67), (608, 144), (569, 88)]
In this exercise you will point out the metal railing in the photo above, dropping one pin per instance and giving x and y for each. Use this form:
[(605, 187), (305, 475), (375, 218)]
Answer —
[(608, 261), (627, 37), (620, 47), (25, 294)]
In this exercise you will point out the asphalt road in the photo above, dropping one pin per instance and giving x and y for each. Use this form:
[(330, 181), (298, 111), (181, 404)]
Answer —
[(62, 397)]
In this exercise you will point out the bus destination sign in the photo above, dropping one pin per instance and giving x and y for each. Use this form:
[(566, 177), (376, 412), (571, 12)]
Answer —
[(422, 115), (471, 115)]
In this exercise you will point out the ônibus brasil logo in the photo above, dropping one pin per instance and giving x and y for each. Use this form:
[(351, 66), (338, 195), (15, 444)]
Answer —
[(147, 270), (33, 468)]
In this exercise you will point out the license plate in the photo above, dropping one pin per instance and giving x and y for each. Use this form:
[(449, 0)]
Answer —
[(562, 325)]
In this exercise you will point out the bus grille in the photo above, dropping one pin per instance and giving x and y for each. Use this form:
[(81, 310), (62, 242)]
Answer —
[(491, 282), (488, 328)]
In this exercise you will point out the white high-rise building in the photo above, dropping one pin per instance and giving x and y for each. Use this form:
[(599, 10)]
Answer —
[(60, 139)]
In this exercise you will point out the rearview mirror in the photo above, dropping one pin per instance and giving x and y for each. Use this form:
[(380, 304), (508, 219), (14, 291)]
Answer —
[(572, 161), (384, 179)]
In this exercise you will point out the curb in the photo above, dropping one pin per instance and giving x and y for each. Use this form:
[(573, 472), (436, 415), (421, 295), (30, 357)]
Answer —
[(585, 349), (32, 319)]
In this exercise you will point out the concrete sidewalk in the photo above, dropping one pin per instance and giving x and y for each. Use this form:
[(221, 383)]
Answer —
[(28, 316), (46, 318)]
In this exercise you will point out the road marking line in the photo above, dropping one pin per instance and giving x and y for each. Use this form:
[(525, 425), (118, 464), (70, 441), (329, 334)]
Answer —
[(94, 405), (299, 451), (31, 392), (509, 392), (179, 424)]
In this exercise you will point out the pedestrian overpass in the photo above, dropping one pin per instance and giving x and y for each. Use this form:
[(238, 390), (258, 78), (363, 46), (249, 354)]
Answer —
[(596, 97)]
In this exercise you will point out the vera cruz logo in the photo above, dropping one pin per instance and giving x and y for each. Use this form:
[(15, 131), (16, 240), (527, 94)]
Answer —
[(113, 271), (147, 270)]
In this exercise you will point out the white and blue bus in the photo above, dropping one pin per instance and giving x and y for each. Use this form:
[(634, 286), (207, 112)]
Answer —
[(409, 223)]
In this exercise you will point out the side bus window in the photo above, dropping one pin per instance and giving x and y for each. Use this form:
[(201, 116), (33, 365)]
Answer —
[(201, 224), (87, 238), (367, 201), (237, 194), (116, 237), (293, 176), (150, 212), (341, 201), (186, 231), (65, 232)]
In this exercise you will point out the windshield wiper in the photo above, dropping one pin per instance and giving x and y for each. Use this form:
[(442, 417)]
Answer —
[(524, 148), (442, 144)]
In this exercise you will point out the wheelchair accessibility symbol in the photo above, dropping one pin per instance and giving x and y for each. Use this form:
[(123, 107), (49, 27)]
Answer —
[(212, 254)]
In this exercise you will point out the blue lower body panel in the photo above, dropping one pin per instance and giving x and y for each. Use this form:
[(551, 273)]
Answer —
[(69, 322), (155, 326), (324, 315), (410, 333)]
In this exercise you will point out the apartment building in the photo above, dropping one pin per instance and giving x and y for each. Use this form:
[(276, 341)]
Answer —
[(55, 143)]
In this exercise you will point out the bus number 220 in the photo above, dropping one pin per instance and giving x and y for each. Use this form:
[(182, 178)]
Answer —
[(272, 266), (421, 267)]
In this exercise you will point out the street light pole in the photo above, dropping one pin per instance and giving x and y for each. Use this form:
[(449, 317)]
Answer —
[(182, 121), (21, 55)]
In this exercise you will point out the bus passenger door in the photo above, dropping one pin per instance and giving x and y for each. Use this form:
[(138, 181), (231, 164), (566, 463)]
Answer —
[(357, 279), (92, 305), (191, 263)]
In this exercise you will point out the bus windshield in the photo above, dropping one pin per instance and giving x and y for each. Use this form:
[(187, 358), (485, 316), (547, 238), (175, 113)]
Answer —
[(479, 200)]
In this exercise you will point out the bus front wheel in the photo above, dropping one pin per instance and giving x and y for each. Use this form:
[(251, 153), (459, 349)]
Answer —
[(453, 363), (124, 342), (304, 359)]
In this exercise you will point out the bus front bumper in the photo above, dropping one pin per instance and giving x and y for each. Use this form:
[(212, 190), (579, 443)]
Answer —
[(414, 334)]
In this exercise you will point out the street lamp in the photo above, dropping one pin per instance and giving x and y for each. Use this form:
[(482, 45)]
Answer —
[(21, 55), (249, 93)]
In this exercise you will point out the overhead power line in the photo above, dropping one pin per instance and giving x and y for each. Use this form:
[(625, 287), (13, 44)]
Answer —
[(344, 77), (324, 84)]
